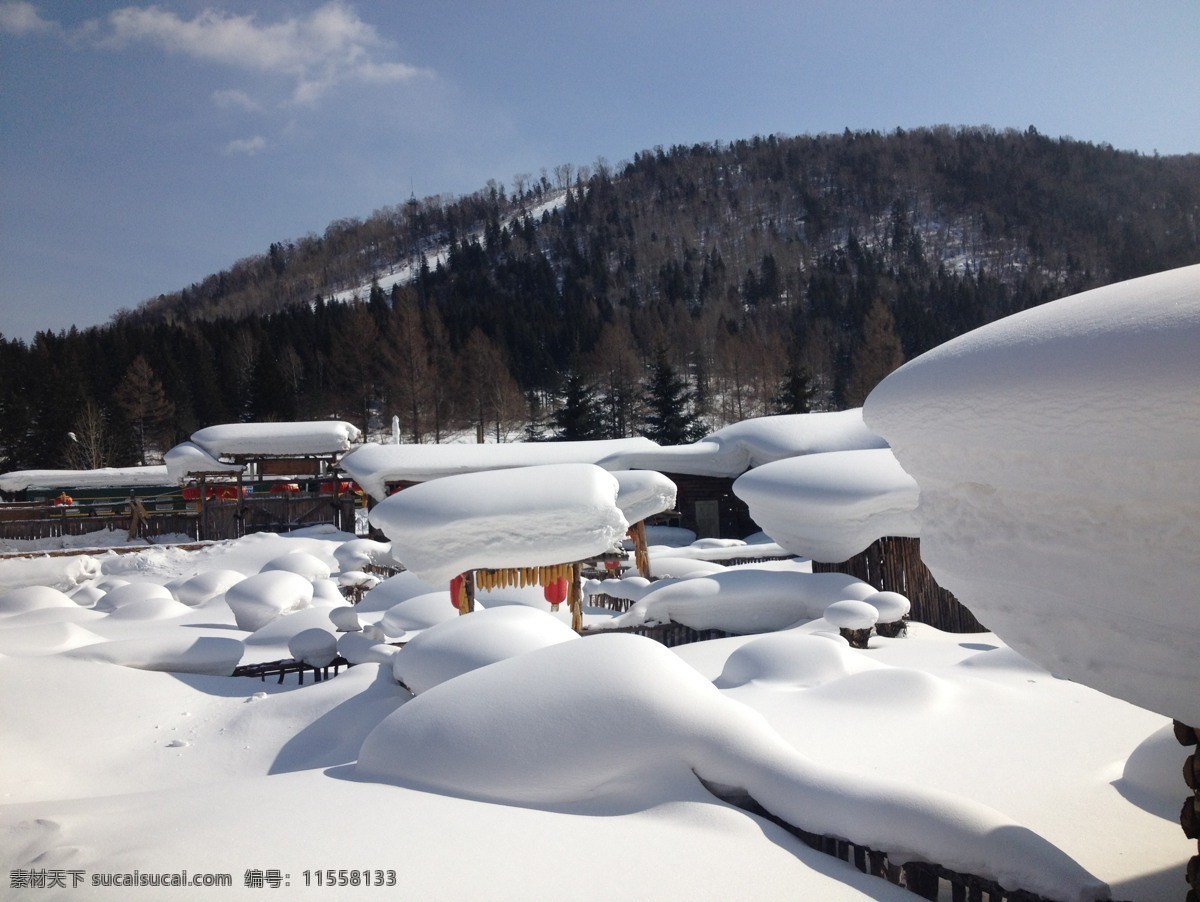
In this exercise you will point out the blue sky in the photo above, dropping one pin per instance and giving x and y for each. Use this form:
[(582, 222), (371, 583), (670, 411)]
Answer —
[(143, 147)]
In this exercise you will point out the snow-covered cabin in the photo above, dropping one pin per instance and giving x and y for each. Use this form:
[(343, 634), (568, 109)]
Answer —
[(286, 475), (703, 471)]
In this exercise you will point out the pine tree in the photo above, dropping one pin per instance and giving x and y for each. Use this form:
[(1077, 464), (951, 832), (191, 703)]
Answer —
[(670, 417), (795, 391), (145, 404), (877, 355), (579, 418)]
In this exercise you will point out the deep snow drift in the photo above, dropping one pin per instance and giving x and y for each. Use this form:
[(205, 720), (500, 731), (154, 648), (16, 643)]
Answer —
[(1057, 453), (581, 744)]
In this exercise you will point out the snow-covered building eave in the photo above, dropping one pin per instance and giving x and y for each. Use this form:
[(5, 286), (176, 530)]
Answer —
[(731, 451), (378, 467), (102, 478), (234, 441), (188, 460)]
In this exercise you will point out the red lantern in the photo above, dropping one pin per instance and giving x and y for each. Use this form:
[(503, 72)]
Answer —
[(555, 592), (456, 589), (612, 563)]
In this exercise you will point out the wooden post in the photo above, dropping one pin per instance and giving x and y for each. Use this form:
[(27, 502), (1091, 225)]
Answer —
[(466, 603), (575, 596), (641, 552), (239, 518), (202, 508)]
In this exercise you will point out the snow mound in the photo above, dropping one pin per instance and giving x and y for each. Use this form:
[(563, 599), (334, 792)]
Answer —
[(40, 639), (316, 647), (793, 659), (345, 619), (209, 584), (672, 566), (831, 506), (1056, 452), (150, 607), (359, 648), (1151, 773), (307, 565), (116, 598), (524, 517), (463, 644), (392, 591), (32, 598), (538, 729), (359, 553), (889, 606), (275, 636), (418, 613), (671, 536), (214, 655), (742, 601), (851, 614), (888, 688), (257, 600)]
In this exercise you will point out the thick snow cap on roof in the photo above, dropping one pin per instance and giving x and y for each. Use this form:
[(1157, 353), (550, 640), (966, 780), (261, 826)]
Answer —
[(374, 466), (731, 451), (277, 439), (1057, 454), (643, 493), (103, 478), (831, 506), (523, 517), (188, 458)]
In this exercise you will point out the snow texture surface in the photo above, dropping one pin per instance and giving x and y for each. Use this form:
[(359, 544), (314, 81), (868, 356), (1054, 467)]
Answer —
[(524, 517), (831, 506), (1057, 454)]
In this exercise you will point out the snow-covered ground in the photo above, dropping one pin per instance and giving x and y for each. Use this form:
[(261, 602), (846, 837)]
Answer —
[(564, 771), (499, 755)]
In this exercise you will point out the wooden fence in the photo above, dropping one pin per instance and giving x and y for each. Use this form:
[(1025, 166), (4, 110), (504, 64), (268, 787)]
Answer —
[(232, 518), (893, 564), (27, 521), (925, 879), (220, 519)]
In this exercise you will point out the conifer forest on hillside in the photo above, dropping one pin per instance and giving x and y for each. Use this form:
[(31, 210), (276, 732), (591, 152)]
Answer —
[(668, 295)]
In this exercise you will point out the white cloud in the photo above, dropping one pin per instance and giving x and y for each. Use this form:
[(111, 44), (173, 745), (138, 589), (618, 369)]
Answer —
[(20, 17), (235, 99), (247, 147), (328, 46)]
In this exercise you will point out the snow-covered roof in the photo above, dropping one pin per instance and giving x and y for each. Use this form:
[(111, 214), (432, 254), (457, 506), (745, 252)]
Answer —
[(528, 516), (188, 458), (1057, 454), (103, 478), (374, 466), (831, 506), (643, 493), (731, 451), (277, 439)]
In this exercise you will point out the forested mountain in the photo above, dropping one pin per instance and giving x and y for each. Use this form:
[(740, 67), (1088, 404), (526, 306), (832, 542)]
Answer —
[(768, 275)]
